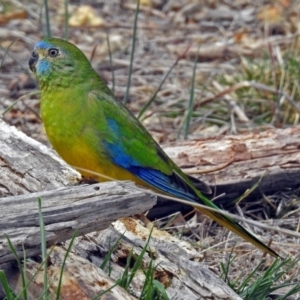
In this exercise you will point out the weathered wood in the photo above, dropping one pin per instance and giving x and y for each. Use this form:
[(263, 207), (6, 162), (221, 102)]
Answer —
[(28, 166), (176, 264), (232, 164), (274, 151), (83, 208), (82, 280)]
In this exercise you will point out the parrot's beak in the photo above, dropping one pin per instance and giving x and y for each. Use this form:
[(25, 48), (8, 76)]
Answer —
[(33, 60)]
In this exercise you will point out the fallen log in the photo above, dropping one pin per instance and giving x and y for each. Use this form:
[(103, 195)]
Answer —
[(84, 208), (27, 167), (176, 265), (233, 164), (229, 164)]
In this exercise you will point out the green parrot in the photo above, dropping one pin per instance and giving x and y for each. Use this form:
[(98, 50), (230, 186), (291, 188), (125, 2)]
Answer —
[(101, 138)]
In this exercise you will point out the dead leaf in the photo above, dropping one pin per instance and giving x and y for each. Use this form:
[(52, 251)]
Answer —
[(148, 3), (12, 15), (270, 14), (85, 15)]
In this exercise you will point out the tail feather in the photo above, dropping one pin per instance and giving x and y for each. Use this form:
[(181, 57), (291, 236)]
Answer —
[(232, 225), (200, 185), (238, 229), (180, 186)]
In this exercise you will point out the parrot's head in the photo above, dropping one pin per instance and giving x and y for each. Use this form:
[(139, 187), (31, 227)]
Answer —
[(58, 61)]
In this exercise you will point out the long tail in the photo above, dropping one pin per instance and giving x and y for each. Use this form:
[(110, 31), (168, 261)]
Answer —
[(232, 225), (228, 222), (178, 185), (225, 221)]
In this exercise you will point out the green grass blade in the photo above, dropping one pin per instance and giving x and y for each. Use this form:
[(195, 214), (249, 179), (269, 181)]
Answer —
[(248, 279), (110, 252), (21, 98), (191, 100), (33, 277), (123, 281), (23, 277), (139, 261), (268, 281), (162, 82), (48, 29), (5, 53), (152, 288), (147, 290), (7, 290), (105, 292), (292, 291), (43, 247), (63, 265), (170, 222), (225, 268), (249, 190), (111, 63), (132, 51), (160, 287), (26, 284), (25, 69), (66, 5)]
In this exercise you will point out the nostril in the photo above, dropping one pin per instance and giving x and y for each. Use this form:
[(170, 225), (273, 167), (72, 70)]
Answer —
[(33, 60), (34, 54)]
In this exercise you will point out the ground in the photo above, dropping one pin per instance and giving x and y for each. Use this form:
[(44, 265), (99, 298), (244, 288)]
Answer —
[(235, 43)]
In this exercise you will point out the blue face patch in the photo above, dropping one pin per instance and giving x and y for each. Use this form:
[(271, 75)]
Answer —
[(43, 45), (43, 67)]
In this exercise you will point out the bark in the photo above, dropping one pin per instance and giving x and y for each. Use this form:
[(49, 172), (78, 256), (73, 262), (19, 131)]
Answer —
[(176, 265), (231, 163), (84, 208), (28, 166)]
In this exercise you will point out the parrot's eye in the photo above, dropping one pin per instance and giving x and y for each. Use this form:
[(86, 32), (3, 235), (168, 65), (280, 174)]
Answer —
[(53, 52)]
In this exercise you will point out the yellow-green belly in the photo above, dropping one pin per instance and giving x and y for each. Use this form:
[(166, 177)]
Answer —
[(90, 163), (77, 141)]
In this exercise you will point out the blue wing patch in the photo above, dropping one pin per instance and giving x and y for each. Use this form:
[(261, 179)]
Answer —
[(118, 156), (115, 149), (171, 184)]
